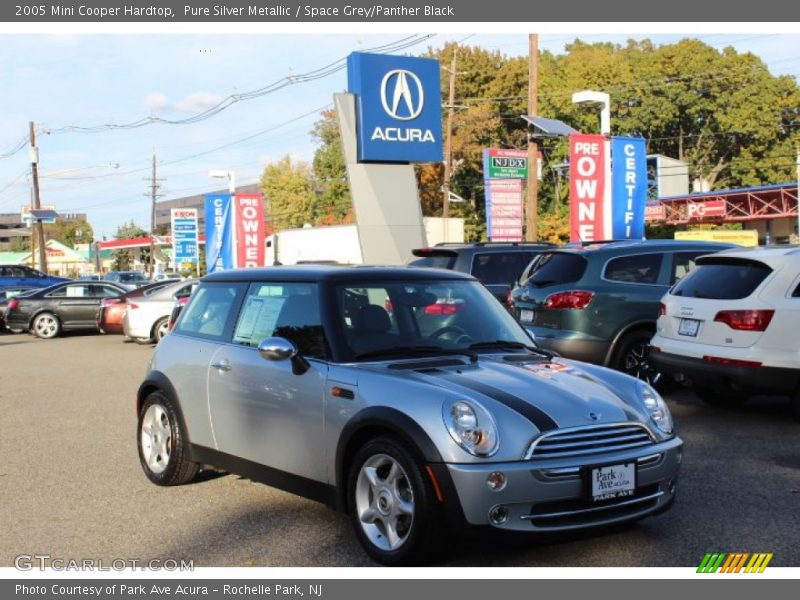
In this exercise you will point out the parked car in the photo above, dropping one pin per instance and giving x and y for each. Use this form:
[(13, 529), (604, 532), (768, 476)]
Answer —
[(20, 275), (732, 326), (90, 277), (497, 265), (598, 302), (168, 276), (146, 319), (128, 279), (112, 310), (6, 295), (310, 384), (63, 307)]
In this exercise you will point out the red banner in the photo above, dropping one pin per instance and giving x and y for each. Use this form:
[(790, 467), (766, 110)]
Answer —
[(587, 182), (249, 225), (701, 210)]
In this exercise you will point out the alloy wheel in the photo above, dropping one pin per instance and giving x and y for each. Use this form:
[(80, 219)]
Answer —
[(45, 326), (156, 438), (637, 363)]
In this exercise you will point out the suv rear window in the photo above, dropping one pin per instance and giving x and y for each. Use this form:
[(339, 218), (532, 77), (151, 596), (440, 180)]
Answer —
[(495, 268), (435, 261), (722, 279), (555, 268)]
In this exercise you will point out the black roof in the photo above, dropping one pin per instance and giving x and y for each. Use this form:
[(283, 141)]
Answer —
[(336, 273), (620, 246)]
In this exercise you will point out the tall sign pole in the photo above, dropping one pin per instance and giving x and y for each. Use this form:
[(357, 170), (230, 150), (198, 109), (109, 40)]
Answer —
[(448, 143), (37, 223), (532, 208)]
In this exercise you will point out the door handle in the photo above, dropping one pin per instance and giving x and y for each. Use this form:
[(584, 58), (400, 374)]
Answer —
[(223, 365)]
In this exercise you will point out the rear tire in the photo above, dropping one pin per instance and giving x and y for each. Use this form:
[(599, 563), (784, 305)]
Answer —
[(46, 326), (720, 397), (392, 504), (632, 357), (160, 329), (162, 442)]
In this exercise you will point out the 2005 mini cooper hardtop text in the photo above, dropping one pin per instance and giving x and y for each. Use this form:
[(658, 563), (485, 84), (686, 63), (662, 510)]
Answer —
[(409, 398)]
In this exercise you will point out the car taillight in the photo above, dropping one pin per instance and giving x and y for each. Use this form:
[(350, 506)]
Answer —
[(574, 299), (132, 306), (12, 304), (184, 301), (745, 320), (443, 309), (509, 302), (662, 309)]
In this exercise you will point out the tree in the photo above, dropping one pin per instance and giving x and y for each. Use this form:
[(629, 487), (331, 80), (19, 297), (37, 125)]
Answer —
[(330, 172), (70, 233), (123, 259), (289, 187)]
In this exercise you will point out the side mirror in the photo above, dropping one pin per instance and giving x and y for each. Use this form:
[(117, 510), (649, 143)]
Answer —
[(278, 348)]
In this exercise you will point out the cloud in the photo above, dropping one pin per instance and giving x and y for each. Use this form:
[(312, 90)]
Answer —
[(193, 103), (156, 101)]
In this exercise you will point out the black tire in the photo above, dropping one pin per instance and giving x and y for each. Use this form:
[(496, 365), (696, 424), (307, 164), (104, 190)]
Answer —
[(425, 532), (158, 332), (46, 326), (143, 341), (172, 466), (632, 357), (720, 397)]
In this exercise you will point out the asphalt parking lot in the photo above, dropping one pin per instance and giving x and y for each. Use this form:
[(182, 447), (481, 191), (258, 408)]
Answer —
[(71, 485)]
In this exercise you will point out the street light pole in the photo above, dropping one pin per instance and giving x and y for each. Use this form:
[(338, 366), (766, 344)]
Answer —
[(601, 98), (37, 223)]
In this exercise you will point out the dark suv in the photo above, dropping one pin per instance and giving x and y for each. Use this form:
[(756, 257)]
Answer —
[(599, 302), (497, 265)]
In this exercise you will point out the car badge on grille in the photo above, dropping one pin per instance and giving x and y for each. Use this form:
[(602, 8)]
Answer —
[(594, 416)]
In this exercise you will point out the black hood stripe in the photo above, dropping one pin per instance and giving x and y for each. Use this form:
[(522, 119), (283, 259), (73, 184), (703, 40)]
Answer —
[(539, 418)]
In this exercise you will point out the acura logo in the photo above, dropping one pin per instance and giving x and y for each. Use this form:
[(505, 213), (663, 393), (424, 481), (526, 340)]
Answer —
[(402, 95)]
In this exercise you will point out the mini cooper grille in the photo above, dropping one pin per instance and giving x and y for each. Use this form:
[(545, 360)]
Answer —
[(593, 439)]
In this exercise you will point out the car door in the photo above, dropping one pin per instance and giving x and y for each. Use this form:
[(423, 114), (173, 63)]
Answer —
[(260, 410), (75, 304)]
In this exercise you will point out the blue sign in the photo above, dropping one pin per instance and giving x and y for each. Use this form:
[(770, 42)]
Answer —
[(184, 237), (219, 232), (628, 187), (398, 107)]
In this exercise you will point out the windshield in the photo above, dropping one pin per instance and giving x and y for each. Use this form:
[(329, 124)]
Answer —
[(129, 277), (429, 316)]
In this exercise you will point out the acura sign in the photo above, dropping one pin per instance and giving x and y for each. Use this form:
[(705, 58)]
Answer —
[(398, 107)]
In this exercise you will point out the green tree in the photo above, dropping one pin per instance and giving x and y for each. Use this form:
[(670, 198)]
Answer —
[(330, 171), (123, 259), (70, 233), (289, 188)]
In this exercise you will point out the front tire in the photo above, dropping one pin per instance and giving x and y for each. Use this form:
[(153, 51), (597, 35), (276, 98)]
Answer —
[(46, 326), (392, 504), (163, 444), (633, 357)]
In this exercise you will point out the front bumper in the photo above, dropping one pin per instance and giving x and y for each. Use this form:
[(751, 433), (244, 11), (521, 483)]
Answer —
[(133, 329), (553, 495), (758, 380)]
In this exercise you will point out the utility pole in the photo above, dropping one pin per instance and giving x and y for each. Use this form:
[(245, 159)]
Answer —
[(531, 212), (448, 143), (797, 150), (154, 185), (37, 223)]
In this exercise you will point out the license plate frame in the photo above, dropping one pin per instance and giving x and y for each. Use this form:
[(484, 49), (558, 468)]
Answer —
[(526, 315), (627, 472), (688, 327)]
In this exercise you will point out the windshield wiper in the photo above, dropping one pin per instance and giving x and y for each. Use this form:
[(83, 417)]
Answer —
[(418, 351), (541, 282), (512, 345)]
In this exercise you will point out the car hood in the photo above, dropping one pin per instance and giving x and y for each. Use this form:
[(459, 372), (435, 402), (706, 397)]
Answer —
[(551, 394)]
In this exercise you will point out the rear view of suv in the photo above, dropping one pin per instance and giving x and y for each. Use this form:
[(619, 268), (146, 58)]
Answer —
[(497, 265), (599, 302), (732, 327)]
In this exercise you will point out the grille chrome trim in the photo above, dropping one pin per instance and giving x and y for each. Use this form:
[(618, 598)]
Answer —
[(593, 509), (589, 439)]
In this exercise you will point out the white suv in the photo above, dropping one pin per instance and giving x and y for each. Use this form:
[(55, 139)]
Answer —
[(732, 326)]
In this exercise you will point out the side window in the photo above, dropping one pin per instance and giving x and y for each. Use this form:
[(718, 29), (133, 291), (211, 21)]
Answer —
[(21, 272), (209, 313), (105, 291), (288, 310), (185, 291), (639, 268), (682, 263), (796, 293)]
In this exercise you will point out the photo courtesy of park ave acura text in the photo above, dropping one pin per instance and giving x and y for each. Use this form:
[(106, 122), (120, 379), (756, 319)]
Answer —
[(298, 298)]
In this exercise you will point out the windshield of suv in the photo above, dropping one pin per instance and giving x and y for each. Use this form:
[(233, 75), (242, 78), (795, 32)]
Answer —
[(423, 317)]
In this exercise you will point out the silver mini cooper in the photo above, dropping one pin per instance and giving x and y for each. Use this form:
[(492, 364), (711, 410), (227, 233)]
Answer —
[(408, 398)]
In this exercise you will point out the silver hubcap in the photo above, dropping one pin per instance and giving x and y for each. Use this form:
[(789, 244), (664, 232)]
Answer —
[(637, 363), (384, 502), (156, 438), (45, 326), (162, 330)]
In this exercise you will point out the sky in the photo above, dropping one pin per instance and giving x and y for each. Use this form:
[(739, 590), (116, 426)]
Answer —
[(67, 83)]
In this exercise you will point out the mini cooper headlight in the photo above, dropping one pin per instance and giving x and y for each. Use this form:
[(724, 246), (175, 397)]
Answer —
[(471, 427), (656, 408)]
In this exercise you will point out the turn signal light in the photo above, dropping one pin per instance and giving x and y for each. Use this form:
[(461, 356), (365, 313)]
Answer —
[(575, 299), (745, 320)]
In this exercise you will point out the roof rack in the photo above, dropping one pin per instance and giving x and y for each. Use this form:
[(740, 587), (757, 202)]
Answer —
[(482, 244)]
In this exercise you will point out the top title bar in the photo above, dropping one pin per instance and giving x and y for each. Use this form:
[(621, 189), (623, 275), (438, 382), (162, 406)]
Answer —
[(178, 11)]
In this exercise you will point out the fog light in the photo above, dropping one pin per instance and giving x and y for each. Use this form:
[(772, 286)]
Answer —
[(498, 514), (496, 481)]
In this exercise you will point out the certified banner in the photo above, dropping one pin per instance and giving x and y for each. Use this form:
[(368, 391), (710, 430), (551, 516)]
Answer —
[(219, 232), (589, 217), (629, 187), (249, 230), (184, 238)]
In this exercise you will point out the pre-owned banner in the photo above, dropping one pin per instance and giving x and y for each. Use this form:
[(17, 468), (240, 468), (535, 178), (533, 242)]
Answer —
[(219, 232), (588, 220), (629, 187), (249, 230)]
